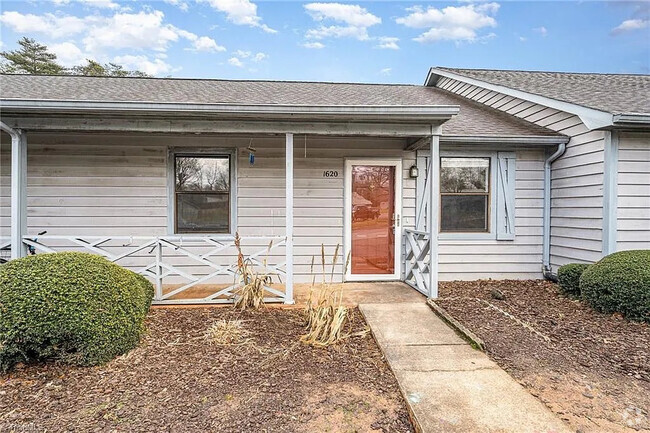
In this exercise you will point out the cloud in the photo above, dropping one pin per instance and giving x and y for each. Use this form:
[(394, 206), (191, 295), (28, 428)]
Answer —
[(142, 63), (240, 12), (69, 54), (387, 43), (240, 55), (48, 24), (99, 37), (314, 45), (631, 25), (452, 23), (207, 44), (351, 21), (541, 30), (100, 4), (523, 38), (234, 61), (184, 6), (386, 71)]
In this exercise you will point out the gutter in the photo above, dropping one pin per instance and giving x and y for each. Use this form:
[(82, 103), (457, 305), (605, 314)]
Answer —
[(294, 112), (546, 242)]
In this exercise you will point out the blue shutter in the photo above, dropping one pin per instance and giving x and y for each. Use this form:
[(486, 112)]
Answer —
[(506, 168)]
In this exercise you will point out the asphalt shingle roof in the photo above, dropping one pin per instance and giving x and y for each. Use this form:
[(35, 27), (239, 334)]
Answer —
[(614, 93), (474, 119)]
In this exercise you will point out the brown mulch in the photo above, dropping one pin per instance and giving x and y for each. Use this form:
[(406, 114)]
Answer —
[(592, 369), (177, 381)]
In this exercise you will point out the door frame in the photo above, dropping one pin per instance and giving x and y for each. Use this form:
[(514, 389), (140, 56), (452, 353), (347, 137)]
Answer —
[(347, 218)]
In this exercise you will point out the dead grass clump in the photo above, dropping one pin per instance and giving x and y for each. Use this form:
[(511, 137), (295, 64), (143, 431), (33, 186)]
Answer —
[(326, 314), (250, 294), (227, 332)]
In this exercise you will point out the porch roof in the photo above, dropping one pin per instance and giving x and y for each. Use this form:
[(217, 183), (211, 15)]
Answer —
[(278, 100)]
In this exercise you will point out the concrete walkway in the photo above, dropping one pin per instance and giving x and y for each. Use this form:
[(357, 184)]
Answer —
[(451, 387)]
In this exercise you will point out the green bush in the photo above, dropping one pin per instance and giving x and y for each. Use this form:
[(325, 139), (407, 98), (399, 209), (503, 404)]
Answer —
[(620, 282), (75, 307), (568, 276)]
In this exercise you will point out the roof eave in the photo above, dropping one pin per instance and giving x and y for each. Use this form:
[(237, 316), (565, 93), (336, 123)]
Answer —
[(424, 113), (592, 118)]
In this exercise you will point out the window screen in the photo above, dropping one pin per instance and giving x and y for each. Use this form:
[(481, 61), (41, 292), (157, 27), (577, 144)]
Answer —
[(202, 193), (464, 194)]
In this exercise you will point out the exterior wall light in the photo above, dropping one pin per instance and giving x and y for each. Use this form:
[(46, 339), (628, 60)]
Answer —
[(414, 172)]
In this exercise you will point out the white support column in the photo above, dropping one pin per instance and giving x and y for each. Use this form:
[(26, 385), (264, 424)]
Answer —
[(18, 191), (432, 215), (289, 219)]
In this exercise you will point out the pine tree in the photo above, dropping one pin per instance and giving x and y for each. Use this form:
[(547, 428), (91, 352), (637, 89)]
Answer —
[(31, 58), (96, 69)]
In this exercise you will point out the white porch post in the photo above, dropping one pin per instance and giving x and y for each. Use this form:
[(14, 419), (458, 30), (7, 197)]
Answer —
[(18, 191), (420, 191), (432, 217), (288, 299)]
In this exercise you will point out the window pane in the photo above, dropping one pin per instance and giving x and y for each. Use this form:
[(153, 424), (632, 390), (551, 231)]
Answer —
[(464, 174), (205, 173), (464, 213), (205, 213)]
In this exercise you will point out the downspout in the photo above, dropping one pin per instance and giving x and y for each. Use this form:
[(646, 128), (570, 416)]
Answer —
[(546, 244)]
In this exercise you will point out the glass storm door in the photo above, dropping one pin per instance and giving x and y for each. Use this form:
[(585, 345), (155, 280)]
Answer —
[(373, 219)]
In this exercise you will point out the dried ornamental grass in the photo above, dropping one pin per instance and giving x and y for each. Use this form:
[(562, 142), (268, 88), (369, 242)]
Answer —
[(227, 332), (326, 314), (250, 294)]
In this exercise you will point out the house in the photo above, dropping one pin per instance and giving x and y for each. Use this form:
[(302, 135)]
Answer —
[(531, 170)]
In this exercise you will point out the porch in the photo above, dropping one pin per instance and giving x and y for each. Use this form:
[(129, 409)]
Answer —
[(189, 269)]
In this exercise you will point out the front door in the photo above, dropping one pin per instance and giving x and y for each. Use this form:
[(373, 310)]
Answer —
[(373, 219)]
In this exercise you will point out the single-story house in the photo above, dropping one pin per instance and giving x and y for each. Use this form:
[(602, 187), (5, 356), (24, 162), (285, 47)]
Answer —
[(475, 174)]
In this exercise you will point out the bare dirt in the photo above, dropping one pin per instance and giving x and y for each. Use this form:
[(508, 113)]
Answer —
[(592, 369), (177, 381)]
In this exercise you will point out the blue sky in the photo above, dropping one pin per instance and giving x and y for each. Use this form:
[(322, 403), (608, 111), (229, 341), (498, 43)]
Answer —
[(394, 42)]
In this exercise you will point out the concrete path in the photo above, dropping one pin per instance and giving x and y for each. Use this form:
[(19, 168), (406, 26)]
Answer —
[(449, 386)]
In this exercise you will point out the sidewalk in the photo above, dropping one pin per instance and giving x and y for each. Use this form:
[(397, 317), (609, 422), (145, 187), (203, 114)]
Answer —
[(449, 386)]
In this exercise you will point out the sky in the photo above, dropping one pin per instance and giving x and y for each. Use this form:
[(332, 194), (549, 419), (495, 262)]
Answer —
[(382, 42)]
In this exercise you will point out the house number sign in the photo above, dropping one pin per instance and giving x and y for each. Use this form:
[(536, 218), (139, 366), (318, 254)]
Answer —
[(330, 173)]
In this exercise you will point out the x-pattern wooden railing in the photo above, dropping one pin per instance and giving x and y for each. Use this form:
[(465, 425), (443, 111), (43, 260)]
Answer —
[(416, 260), (162, 255)]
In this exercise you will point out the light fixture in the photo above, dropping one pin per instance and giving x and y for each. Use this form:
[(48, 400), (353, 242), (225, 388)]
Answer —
[(414, 172)]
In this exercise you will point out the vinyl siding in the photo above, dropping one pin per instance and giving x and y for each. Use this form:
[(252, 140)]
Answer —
[(633, 215), (117, 185), (576, 178), (520, 258)]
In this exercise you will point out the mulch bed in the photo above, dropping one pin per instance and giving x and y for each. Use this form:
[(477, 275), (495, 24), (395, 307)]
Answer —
[(592, 369), (177, 381)]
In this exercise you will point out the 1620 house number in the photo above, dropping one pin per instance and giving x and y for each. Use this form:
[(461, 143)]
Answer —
[(330, 173)]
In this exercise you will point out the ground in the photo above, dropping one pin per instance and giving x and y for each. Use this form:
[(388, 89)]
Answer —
[(592, 369), (178, 381)]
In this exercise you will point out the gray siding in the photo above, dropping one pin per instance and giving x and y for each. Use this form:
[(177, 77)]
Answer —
[(116, 185), (576, 179), (633, 214), (520, 258), (113, 185)]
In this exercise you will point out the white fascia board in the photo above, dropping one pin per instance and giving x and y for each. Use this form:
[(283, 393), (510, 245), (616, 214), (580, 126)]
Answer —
[(349, 112), (632, 119), (593, 119)]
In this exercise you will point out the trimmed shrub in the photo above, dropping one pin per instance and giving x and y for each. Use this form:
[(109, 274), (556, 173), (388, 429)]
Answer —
[(75, 307), (568, 276), (620, 282)]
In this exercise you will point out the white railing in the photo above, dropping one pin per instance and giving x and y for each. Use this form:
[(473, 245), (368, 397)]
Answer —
[(5, 249), (176, 264), (417, 260)]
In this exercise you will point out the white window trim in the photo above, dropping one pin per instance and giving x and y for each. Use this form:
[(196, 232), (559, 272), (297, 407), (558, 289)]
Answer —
[(171, 181), (492, 234)]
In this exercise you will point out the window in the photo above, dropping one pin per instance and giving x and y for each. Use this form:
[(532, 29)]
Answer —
[(465, 195), (202, 193)]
